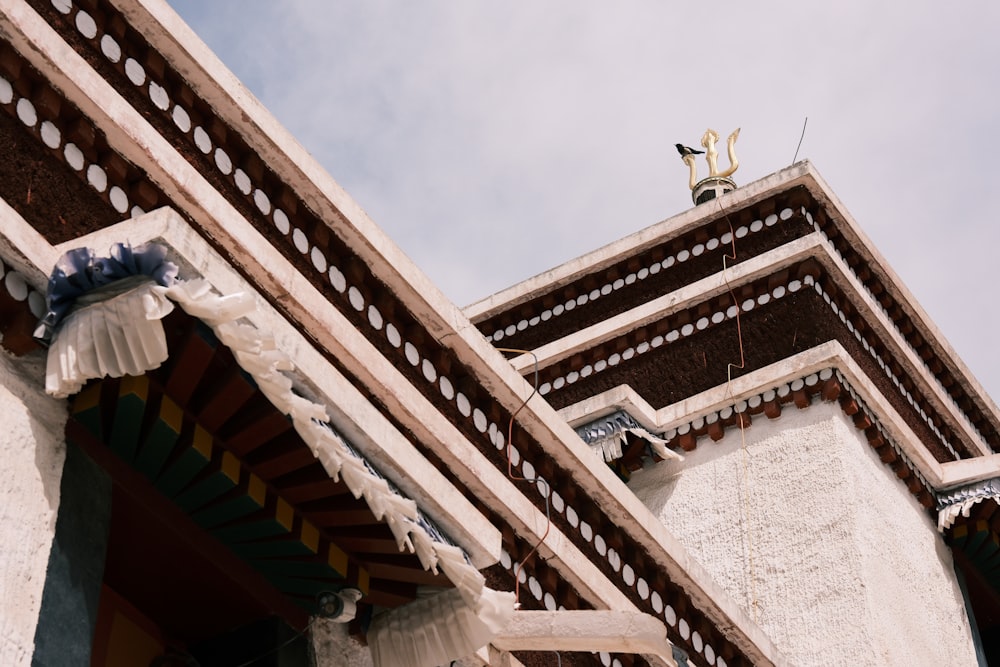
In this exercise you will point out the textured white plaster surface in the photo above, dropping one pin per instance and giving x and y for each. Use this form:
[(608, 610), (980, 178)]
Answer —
[(814, 536), (333, 647), (32, 451)]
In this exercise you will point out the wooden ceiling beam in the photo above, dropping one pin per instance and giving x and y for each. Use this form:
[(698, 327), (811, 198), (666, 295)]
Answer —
[(262, 430), (190, 366), (410, 575), (138, 488)]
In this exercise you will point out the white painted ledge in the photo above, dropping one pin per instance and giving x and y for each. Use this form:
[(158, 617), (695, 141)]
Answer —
[(967, 471), (587, 630), (828, 355), (652, 311), (637, 242), (25, 249)]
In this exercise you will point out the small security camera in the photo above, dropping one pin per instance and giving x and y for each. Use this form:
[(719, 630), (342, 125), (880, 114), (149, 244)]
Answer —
[(339, 606)]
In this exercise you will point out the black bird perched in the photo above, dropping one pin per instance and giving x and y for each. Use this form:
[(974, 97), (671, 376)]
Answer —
[(686, 150)]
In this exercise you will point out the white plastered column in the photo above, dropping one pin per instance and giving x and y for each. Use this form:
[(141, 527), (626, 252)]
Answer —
[(33, 450), (821, 541)]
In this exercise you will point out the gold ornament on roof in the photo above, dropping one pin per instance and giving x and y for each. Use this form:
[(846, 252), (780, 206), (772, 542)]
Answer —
[(708, 141)]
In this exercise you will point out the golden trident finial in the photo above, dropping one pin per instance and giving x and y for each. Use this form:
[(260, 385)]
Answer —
[(711, 156)]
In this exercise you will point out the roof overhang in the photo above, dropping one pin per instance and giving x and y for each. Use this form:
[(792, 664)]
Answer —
[(381, 443)]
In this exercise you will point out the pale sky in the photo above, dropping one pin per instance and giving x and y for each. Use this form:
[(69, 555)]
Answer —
[(494, 140)]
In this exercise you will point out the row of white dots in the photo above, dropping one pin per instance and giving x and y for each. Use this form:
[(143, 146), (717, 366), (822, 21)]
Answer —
[(52, 137), (203, 142), (669, 615), (882, 363), (17, 287), (495, 434), (674, 335), (750, 403), (534, 586), (887, 369), (643, 273), (627, 573), (182, 119)]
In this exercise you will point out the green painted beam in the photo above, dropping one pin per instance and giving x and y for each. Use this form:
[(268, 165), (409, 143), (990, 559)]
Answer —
[(276, 519), (126, 426), (249, 496), (283, 567), (87, 410), (960, 537), (277, 547), (302, 540), (987, 551), (161, 439), (220, 476), (299, 586), (334, 565), (189, 462), (977, 535)]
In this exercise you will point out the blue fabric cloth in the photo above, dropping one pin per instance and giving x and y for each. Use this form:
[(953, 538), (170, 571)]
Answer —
[(80, 271)]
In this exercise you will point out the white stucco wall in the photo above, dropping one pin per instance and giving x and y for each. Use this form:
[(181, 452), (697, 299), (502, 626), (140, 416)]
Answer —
[(847, 568), (32, 451)]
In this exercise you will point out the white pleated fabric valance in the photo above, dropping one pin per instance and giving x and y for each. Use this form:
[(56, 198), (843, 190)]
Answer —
[(119, 335), (437, 629), (123, 335)]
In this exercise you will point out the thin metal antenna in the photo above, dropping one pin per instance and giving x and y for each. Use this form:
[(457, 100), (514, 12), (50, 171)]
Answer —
[(806, 122)]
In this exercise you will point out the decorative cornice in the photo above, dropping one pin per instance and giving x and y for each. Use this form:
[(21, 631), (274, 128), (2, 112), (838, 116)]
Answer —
[(678, 253), (829, 385), (697, 316), (960, 501), (270, 368), (826, 374), (910, 340)]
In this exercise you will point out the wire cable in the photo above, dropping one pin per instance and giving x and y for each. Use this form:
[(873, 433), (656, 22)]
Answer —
[(533, 480), (297, 635), (801, 137), (745, 454)]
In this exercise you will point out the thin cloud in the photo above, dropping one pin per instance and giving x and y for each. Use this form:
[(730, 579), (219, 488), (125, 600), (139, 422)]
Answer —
[(493, 141)]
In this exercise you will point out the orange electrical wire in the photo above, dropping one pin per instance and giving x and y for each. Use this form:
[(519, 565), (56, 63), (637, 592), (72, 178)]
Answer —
[(745, 454), (533, 480)]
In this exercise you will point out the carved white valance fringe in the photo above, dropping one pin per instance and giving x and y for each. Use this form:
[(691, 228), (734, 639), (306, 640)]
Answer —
[(608, 435), (959, 502)]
